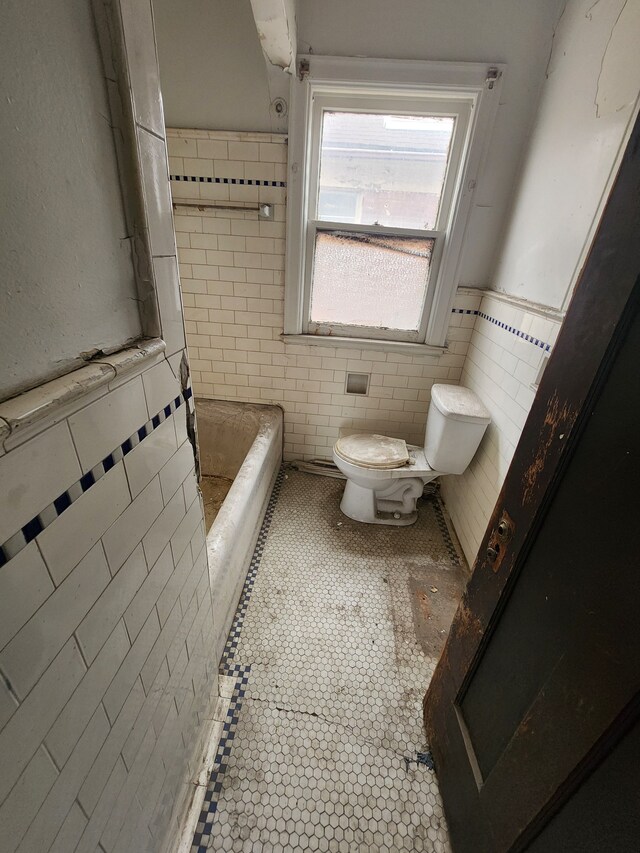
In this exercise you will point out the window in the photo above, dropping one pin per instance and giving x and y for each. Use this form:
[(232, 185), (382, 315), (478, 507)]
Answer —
[(383, 159)]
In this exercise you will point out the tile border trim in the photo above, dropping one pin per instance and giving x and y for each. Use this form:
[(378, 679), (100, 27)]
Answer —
[(243, 182), (33, 408), (518, 332), (29, 531)]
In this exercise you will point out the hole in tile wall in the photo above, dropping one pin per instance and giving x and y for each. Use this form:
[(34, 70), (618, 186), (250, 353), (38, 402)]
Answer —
[(357, 383)]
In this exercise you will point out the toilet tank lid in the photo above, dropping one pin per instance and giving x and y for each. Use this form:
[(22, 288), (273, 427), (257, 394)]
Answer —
[(459, 403)]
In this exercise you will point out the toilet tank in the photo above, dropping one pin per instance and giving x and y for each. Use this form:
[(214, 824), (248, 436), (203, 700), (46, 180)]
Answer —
[(456, 423)]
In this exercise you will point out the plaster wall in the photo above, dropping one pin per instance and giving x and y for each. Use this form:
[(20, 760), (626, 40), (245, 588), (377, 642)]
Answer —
[(67, 277), (588, 103)]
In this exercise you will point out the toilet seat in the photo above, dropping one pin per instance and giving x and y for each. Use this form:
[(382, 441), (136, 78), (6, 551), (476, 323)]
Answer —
[(378, 452)]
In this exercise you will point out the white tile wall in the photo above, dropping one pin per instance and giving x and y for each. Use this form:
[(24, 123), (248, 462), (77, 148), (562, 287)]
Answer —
[(501, 368), (105, 629), (232, 275)]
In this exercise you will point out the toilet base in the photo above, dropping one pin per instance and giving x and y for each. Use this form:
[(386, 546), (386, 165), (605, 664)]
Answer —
[(392, 505)]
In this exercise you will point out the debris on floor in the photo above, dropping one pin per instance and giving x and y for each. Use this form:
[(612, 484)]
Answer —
[(333, 655)]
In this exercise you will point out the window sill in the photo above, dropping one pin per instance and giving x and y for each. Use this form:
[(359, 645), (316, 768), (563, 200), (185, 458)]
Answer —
[(398, 347)]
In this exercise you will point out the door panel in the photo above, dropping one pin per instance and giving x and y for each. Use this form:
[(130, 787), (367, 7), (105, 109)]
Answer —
[(544, 653)]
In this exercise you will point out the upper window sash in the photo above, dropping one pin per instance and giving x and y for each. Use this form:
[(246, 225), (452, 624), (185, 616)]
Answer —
[(394, 102)]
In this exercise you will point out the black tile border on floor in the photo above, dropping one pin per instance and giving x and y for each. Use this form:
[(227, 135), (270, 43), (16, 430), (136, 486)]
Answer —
[(234, 670), (233, 638), (438, 510)]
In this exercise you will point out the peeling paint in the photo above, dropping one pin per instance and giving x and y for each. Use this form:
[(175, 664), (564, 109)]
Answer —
[(619, 78), (557, 417)]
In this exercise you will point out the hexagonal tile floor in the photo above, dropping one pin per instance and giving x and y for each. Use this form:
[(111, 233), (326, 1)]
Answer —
[(336, 636)]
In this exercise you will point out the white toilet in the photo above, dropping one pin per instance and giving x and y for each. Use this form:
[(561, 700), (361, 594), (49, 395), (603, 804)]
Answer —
[(385, 476)]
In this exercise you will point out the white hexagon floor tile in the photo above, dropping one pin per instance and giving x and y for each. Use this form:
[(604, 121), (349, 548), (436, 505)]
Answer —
[(335, 639)]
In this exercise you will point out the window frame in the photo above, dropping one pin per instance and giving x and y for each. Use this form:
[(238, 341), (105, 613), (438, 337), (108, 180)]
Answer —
[(396, 87)]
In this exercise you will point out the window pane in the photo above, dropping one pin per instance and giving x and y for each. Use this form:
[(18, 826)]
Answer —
[(383, 169), (369, 280)]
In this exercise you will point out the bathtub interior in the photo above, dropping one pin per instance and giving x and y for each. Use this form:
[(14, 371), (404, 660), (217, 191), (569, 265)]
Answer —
[(241, 443), (226, 432)]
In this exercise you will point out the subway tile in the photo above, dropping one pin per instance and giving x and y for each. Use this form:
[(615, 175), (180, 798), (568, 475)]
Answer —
[(71, 831), (147, 595), (128, 529), (167, 283), (125, 678), (160, 387), (101, 620), (180, 147), (273, 153), (243, 150), (18, 810), (155, 180), (198, 167), (163, 528), (24, 585), (66, 730), (144, 85), (146, 460), (20, 738), (48, 818), (186, 529), (33, 475), (157, 653), (102, 426), (33, 648), (212, 149), (106, 777), (65, 542)]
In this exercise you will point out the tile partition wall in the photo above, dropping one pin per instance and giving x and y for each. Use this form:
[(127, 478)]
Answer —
[(232, 276), (106, 675), (105, 617), (509, 343)]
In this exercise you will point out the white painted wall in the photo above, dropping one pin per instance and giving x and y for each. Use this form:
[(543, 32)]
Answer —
[(214, 78), (67, 277), (212, 70), (587, 107)]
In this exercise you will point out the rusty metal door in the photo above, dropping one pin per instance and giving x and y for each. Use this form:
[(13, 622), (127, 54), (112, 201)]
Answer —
[(539, 681)]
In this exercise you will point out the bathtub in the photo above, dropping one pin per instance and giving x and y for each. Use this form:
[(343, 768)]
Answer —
[(242, 443)]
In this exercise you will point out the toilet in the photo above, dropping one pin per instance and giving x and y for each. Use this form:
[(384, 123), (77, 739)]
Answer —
[(386, 476)]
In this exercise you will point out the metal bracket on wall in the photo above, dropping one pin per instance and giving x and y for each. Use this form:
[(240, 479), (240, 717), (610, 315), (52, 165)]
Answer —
[(264, 211)]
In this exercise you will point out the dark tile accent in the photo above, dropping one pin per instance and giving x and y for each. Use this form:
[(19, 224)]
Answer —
[(87, 481), (32, 528)]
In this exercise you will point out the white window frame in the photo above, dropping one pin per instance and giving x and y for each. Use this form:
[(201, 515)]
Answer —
[(469, 90)]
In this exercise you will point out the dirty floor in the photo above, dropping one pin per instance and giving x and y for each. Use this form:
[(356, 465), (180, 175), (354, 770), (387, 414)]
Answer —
[(214, 491), (335, 639)]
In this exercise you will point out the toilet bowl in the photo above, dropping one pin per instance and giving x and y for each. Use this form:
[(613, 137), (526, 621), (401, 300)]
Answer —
[(385, 476)]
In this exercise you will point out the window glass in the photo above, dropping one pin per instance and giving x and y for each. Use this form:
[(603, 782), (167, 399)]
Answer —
[(370, 280), (385, 169)]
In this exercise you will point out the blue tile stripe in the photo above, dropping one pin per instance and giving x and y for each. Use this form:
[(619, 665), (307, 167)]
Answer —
[(520, 334), (19, 540), (241, 673), (243, 182)]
